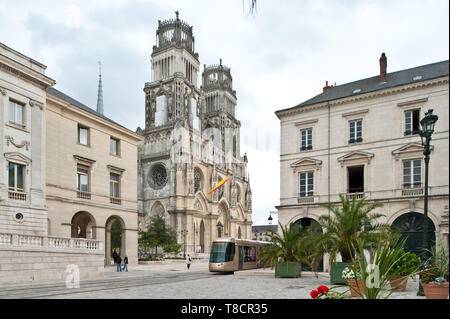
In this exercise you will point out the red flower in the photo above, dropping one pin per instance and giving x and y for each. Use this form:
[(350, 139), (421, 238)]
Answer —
[(349, 267), (314, 294), (357, 267), (420, 273), (323, 289)]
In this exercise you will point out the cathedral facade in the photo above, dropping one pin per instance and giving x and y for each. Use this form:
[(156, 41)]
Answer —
[(191, 143)]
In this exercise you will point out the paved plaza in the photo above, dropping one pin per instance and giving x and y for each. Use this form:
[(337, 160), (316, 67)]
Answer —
[(173, 280)]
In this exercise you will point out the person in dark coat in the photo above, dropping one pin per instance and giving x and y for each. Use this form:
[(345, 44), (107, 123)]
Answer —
[(119, 263), (125, 263)]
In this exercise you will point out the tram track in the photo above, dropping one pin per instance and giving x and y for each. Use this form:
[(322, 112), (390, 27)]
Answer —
[(112, 283)]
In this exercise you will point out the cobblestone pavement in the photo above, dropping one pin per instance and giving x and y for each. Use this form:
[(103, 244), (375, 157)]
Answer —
[(173, 280)]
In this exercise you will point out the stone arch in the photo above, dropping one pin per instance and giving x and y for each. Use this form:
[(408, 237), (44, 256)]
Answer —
[(410, 226), (114, 231), (83, 225), (200, 202), (300, 216), (199, 179), (240, 211), (310, 223), (157, 207), (403, 211), (224, 216)]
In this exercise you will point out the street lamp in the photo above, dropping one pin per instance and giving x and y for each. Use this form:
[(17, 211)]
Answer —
[(427, 124), (184, 232), (219, 227), (270, 219)]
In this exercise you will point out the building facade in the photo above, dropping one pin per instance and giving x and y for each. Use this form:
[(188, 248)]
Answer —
[(361, 139), (91, 176), (191, 142), (261, 232), (27, 250)]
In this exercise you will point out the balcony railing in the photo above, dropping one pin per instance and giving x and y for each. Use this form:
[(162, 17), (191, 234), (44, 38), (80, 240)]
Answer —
[(115, 200), (305, 199), (358, 193), (17, 195), (14, 240), (412, 189), (83, 195)]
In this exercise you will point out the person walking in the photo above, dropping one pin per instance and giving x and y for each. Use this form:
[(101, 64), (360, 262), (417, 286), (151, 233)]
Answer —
[(188, 261), (119, 263), (125, 264)]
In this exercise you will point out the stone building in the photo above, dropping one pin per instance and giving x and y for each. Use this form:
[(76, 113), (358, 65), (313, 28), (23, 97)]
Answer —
[(27, 251), (91, 175), (361, 139), (261, 232), (191, 142)]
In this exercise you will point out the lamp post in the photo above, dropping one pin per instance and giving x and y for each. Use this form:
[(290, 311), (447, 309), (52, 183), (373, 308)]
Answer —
[(427, 124), (184, 232), (270, 219), (219, 228)]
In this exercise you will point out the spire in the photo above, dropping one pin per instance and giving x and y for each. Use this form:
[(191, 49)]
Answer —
[(100, 90)]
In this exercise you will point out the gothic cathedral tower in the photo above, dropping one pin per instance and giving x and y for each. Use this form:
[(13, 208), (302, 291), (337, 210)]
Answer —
[(192, 141)]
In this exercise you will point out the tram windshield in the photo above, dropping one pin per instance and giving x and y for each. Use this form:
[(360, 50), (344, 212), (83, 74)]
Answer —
[(221, 252)]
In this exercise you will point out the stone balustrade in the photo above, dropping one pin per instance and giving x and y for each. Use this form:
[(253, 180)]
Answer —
[(19, 240)]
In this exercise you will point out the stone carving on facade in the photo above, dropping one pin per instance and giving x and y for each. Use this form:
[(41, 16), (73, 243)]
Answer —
[(10, 139), (36, 103), (2, 91)]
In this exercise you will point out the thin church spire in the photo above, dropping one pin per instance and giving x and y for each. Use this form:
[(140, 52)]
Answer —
[(100, 90)]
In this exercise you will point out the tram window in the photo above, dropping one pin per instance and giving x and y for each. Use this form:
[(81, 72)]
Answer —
[(222, 252), (249, 253)]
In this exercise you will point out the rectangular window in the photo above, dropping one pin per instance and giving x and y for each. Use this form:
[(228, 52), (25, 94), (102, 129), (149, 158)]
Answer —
[(114, 146), (412, 122), (83, 178), (16, 111), (15, 177), (306, 184), (306, 139), (355, 131), (114, 185), (83, 135), (412, 173)]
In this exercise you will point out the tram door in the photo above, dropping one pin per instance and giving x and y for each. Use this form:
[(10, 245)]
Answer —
[(241, 257)]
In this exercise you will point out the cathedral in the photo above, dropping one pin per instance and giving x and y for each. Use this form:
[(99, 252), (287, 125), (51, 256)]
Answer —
[(191, 143)]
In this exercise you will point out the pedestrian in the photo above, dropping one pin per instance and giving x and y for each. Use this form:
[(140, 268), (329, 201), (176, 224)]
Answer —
[(188, 261), (119, 263), (125, 264)]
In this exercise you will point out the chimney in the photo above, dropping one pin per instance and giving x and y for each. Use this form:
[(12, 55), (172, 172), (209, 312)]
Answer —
[(383, 65), (326, 87)]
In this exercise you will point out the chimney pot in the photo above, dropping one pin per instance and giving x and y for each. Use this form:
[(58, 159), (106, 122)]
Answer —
[(326, 87), (383, 66)]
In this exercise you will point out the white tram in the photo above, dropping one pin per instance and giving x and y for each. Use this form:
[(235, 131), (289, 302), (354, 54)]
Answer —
[(232, 254)]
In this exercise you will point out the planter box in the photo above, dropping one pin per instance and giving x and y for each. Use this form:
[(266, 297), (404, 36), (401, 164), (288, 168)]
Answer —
[(336, 272), (294, 271), (434, 291)]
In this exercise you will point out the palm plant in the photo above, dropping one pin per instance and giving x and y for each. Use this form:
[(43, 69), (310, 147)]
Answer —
[(350, 220), (284, 247)]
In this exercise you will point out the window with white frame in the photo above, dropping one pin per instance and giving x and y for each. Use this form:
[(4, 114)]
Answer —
[(15, 177), (355, 131), (16, 113), (114, 182), (412, 173), (82, 178), (306, 184), (114, 146), (83, 135), (305, 139), (412, 122)]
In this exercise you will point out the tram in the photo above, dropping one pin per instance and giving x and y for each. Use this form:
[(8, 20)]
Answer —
[(232, 254)]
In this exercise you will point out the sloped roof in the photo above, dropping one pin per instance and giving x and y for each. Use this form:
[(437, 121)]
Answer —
[(264, 228), (398, 78), (80, 105)]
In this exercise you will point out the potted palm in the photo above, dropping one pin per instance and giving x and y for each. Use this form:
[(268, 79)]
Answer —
[(283, 252), (408, 264), (348, 221), (434, 278)]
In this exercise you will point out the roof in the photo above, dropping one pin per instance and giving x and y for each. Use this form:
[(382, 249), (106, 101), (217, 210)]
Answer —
[(398, 78), (264, 228), (68, 99)]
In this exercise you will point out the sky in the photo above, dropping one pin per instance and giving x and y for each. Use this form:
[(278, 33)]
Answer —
[(279, 57)]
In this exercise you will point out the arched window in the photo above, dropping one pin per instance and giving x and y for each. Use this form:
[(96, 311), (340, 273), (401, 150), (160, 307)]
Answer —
[(198, 180)]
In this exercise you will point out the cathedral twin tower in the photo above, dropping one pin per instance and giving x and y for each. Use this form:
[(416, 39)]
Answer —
[(192, 141)]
